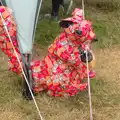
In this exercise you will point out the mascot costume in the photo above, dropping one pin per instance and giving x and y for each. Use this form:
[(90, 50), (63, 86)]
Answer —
[(63, 71)]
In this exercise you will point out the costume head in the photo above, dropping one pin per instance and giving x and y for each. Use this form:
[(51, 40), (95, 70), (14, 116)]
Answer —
[(76, 28)]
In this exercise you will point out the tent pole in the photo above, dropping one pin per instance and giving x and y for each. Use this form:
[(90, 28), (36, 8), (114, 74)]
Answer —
[(26, 67), (30, 72)]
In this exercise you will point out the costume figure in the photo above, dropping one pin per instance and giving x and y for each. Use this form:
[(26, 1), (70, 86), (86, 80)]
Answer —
[(63, 70)]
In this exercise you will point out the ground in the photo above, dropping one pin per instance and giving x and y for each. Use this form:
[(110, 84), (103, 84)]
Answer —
[(105, 94), (105, 88)]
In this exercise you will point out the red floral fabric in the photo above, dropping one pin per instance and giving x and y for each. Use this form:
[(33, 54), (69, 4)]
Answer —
[(5, 43), (61, 72)]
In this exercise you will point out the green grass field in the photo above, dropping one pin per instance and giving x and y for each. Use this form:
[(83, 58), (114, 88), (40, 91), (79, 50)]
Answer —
[(105, 15)]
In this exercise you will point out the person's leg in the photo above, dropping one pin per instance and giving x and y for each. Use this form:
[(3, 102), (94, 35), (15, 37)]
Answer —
[(53, 4), (55, 7), (62, 2)]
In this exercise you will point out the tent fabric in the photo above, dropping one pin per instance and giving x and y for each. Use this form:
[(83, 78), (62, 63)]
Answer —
[(24, 12), (36, 16)]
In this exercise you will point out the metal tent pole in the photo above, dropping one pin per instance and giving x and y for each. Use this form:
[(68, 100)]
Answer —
[(26, 92), (26, 68)]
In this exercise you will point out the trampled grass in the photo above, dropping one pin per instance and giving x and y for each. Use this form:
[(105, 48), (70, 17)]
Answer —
[(105, 88)]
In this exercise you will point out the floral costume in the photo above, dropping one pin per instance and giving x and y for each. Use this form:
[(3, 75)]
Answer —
[(61, 72)]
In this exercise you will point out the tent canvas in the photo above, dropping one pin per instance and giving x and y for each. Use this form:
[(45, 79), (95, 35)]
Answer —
[(25, 14)]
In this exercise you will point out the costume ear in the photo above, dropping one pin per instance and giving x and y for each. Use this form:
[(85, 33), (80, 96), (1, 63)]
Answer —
[(65, 24)]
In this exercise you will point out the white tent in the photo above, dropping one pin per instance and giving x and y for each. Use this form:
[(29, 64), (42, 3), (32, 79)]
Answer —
[(25, 13)]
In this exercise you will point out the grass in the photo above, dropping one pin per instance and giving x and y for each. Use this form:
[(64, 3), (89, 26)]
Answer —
[(46, 32), (105, 88), (104, 15)]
